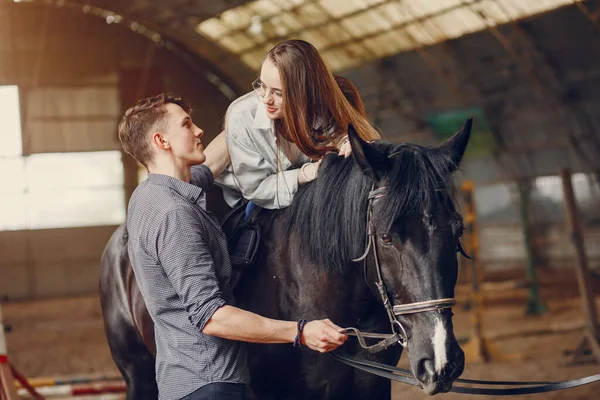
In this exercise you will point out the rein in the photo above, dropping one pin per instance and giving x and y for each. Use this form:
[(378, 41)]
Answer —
[(477, 387)]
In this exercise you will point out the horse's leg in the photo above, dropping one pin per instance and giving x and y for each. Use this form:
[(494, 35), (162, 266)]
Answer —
[(127, 347), (132, 358)]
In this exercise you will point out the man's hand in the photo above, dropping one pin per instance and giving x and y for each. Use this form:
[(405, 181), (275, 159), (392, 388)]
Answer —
[(322, 336)]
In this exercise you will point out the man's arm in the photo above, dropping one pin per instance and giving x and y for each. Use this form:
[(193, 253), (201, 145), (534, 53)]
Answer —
[(187, 261), (217, 155), (237, 324), (185, 257)]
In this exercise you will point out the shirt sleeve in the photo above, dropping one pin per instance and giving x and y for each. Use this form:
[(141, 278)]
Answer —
[(187, 261), (254, 176), (202, 177)]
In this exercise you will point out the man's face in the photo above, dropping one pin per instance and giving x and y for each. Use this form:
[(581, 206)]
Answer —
[(183, 136), (271, 81)]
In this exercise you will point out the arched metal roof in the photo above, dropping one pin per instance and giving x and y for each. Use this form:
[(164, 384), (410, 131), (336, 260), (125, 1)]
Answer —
[(234, 35), (349, 32), (527, 69)]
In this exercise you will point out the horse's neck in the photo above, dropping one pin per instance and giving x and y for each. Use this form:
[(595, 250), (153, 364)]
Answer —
[(308, 288)]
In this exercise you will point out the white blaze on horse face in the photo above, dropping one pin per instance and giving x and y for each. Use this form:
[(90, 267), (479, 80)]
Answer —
[(439, 345)]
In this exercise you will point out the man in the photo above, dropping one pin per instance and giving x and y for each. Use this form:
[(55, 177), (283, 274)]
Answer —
[(179, 256)]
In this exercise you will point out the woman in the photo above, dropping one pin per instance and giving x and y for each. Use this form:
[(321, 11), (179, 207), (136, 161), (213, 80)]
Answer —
[(295, 116)]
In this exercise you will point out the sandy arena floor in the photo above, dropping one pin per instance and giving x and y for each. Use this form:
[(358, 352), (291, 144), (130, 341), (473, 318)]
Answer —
[(63, 337)]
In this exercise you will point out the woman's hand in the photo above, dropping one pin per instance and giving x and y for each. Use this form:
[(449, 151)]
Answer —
[(345, 149), (308, 172)]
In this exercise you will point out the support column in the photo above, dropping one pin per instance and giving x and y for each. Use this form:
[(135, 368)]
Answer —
[(582, 271), (534, 305), (478, 348)]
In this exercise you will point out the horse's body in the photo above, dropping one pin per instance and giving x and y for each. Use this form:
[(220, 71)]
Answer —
[(305, 270)]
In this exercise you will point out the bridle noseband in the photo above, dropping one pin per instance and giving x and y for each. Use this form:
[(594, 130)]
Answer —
[(399, 335)]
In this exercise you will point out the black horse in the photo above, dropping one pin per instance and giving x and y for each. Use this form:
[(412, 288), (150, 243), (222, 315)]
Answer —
[(306, 269)]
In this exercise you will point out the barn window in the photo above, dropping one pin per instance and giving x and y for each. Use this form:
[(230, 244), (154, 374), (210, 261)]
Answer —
[(12, 171), (56, 189)]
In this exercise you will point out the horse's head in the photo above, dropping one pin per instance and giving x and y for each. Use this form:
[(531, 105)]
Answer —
[(416, 230)]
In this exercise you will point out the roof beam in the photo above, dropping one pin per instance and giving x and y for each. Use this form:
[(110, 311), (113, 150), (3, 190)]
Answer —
[(396, 26), (554, 88), (591, 16), (224, 70), (459, 87)]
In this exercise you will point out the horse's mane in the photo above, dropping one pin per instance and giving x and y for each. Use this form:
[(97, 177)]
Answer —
[(329, 214)]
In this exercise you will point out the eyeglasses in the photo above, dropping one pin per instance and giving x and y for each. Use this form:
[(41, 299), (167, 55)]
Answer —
[(261, 89)]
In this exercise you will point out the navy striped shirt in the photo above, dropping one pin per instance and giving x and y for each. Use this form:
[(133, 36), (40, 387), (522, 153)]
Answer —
[(180, 259)]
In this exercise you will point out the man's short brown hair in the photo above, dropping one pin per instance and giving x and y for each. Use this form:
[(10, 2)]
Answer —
[(147, 114)]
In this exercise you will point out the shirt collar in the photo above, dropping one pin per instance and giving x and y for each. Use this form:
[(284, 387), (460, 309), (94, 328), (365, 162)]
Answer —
[(261, 119), (184, 189)]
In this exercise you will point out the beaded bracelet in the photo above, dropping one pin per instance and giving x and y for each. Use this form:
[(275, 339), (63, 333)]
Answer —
[(301, 325)]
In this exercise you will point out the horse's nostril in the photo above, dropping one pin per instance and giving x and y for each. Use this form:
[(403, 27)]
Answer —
[(426, 370), (430, 381)]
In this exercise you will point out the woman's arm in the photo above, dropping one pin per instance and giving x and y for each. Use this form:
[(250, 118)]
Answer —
[(256, 178), (308, 172)]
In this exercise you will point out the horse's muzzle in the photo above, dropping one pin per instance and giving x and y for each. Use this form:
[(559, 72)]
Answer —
[(434, 382)]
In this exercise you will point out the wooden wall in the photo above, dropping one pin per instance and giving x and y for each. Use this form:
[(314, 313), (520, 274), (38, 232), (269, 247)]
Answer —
[(48, 50)]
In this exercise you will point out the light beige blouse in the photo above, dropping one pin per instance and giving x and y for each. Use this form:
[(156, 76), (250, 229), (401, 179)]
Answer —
[(261, 170)]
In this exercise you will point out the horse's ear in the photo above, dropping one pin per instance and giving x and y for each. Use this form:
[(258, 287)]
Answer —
[(456, 145), (371, 162)]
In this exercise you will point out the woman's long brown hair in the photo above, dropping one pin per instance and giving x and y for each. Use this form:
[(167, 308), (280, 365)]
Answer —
[(315, 113)]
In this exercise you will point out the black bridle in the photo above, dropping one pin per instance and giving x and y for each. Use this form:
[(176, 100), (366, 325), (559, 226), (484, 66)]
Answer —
[(399, 336), (399, 333)]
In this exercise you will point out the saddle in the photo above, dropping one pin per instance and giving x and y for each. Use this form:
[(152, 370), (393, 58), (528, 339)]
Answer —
[(243, 239)]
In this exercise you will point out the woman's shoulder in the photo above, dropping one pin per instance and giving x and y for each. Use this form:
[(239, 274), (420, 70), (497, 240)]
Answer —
[(244, 105), (239, 122), (241, 125)]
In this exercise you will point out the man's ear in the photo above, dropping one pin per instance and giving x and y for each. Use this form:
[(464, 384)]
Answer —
[(159, 140)]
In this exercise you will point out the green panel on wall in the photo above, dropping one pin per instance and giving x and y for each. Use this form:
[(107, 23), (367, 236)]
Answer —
[(447, 123)]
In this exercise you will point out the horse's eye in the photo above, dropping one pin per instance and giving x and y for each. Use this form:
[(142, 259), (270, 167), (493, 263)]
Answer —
[(386, 239)]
